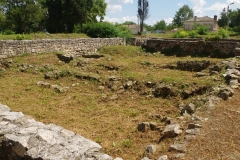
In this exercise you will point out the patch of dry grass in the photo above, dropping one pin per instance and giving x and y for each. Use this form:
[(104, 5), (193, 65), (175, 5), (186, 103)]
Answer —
[(86, 109), (220, 135)]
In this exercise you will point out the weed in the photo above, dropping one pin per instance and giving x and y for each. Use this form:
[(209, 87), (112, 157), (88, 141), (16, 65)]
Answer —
[(126, 143)]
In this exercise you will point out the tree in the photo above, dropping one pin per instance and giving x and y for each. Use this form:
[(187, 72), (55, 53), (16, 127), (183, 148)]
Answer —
[(148, 27), (54, 22), (223, 20), (75, 13), (161, 25), (23, 16), (184, 13), (98, 10), (143, 13)]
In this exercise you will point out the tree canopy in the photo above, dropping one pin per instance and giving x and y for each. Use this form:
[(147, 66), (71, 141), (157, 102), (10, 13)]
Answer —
[(161, 25), (184, 13), (57, 16)]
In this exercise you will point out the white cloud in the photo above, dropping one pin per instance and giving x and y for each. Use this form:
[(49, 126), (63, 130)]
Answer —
[(114, 8), (120, 20), (168, 20), (217, 7), (180, 4), (116, 5), (198, 7)]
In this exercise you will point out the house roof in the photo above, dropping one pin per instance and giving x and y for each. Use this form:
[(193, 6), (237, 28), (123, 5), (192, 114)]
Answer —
[(132, 26), (200, 19)]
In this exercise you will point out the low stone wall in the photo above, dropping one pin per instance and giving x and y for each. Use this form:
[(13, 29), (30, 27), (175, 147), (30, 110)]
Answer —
[(21, 137), (193, 47), (69, 46)]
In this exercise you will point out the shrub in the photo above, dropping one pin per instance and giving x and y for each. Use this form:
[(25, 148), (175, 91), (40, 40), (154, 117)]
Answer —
[(100, 30), (193, 34), (106, 30), (223, 33), (202, 30), (8, 32), (19, 37), (180, 34)]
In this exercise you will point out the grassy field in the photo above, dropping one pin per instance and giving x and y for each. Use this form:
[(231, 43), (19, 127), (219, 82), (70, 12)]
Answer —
[(93, 109)]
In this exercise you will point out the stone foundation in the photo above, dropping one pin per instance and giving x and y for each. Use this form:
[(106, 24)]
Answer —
[(21, 137), (193, 47), (69, 46)]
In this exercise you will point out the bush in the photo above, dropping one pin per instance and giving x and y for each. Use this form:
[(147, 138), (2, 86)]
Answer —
[(8, 32), (223, 33), (202, 30), (100, 30), (19, 37), (106, 30), (193, 34), (180, 34)]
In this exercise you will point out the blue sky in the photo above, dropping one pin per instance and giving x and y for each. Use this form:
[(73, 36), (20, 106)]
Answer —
[(126, 10)]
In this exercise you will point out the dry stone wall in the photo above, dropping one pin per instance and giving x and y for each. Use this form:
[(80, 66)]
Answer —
[(193, 47), (69, 46), (23, 138)]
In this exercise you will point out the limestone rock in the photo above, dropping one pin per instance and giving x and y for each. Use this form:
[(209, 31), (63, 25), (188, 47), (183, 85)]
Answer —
[(164, 157), (178, 147), (65, 58), (150, 149), (142, 127), (190, 108), (43, 84), (171, 131)]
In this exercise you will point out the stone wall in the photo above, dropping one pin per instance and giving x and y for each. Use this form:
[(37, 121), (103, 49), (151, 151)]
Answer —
[(193, 47), (21, 137), (69, 46)]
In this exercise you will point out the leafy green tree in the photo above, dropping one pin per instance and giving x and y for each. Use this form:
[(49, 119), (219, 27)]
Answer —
[(2, 19), (184, 13), (143, 12), (75, 13), (148, 27), (161, 25), (23, 16), (98, 10), (54, 22), (223, 20)]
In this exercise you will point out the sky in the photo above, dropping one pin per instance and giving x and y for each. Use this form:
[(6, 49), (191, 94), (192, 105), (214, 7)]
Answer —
[(126, 10)]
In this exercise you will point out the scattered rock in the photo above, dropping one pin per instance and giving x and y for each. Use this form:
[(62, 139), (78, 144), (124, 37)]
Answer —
[(92, 56), (65, 58), (142, 127), (189, 108), (146, 158), (164, 157), (128, 85), (193, 126), (164, 91), (153, 126), (193, 131), (43, 84), (178, 147), (150, 149), (171, 131), (114, 97), (201, 74), (179, 155)]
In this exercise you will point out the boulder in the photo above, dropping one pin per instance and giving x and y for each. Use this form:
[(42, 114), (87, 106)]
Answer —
[(142, 127), (150, 149), (171, 131), (178, 147), (164, 157), (189, 108)]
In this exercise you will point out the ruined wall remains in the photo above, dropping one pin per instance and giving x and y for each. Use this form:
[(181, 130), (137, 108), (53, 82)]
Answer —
[(69, 46), (21, 137), (193, 47)]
